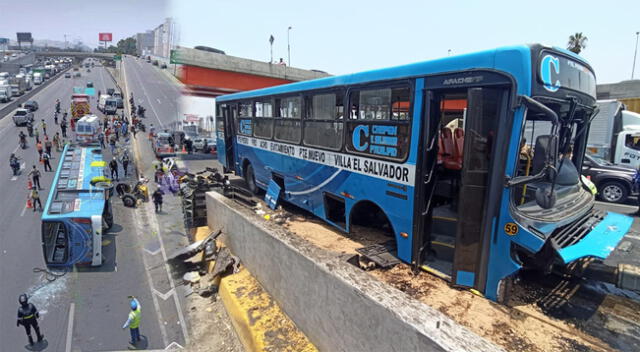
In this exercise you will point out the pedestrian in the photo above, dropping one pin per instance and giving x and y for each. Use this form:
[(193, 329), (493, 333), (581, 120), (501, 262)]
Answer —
[(63, 129), (36, 134), (133, 321), (39, 149), (28, 316), (113, 165), (45, 160), (101, 138), (44, 127), (157, 199), (133, 131), (112, 144), (55, 118), (56, 141), (125, 163), (35, 198), (35, 176), (48, 145)]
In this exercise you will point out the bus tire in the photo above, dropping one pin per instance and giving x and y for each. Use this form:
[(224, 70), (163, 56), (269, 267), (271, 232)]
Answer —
[(122, 189), (250, 179), (129, 200)]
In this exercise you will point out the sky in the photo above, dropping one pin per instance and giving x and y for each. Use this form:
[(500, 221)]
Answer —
[(341, 36), (80, 19)]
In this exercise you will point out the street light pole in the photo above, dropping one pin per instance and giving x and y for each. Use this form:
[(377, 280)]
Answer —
[(635, 53), (288, 47)]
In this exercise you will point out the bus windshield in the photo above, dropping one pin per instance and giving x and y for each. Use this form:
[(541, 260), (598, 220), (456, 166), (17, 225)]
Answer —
[(547, 185)]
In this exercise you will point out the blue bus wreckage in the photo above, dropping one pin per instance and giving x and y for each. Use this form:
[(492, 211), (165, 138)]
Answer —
[(469, 162)]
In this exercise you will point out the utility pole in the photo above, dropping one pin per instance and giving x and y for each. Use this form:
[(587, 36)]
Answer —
[(288, 47), (635, 53), (65, 42), (271, 39)]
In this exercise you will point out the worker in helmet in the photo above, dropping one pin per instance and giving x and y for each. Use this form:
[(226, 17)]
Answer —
[(28, 317), (133, 321)]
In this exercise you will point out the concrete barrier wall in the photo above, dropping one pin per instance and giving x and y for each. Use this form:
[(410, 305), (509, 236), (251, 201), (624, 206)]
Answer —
[(339, 307)]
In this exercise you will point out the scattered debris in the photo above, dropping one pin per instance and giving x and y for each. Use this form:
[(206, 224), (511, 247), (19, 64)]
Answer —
[(382, 255), (191, 277), (195, 248), (224, 261)]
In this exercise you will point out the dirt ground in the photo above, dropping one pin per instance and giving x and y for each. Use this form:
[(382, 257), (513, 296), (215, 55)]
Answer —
[(521, 326)]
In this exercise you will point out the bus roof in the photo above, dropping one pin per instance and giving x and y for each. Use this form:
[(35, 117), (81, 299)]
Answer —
[(72, 194), (515, 60)]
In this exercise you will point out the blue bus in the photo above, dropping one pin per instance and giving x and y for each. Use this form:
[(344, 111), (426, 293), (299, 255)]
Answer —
[(78, 210), (470, 162)]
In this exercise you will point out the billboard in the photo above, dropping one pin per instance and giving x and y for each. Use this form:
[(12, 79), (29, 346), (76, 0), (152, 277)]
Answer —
[(24, 37), (4, 41), (105, 37)]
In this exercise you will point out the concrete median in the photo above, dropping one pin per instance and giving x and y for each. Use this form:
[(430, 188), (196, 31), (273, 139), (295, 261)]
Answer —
[(336, 305)]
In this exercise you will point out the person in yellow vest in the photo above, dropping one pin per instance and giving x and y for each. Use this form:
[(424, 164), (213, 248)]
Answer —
[(133, 321)]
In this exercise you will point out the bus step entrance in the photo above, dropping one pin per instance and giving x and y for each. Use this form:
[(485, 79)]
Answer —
[(383, 255)]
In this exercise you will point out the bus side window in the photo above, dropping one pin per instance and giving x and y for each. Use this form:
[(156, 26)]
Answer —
[(288, 126), (243, 115), (263, 120), (323, 125)]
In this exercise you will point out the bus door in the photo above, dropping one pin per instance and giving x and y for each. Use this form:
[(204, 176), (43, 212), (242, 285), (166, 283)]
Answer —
[(224, 134), (454, 208)]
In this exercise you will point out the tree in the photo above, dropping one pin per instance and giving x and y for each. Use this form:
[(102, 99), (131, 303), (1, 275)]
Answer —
[(577, 42)]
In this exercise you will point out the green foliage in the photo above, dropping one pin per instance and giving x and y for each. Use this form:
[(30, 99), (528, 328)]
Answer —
[(577, 42)]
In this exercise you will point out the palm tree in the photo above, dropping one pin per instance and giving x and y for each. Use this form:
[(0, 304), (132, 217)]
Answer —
[(577, 42)]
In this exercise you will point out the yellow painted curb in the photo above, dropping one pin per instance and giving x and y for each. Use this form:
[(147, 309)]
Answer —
[(258, 321)]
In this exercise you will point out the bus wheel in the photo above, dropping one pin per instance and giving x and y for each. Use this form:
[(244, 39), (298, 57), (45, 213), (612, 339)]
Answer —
[(250, 178), (122, 189), (129, 200)]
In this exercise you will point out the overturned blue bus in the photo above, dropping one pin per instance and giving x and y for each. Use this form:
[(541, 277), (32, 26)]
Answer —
[(78, 210), (470, 162)]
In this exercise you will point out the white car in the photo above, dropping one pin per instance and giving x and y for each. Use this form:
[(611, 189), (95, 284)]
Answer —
[(198, 143)]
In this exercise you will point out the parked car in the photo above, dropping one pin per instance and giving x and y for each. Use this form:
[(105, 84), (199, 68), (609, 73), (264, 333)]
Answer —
[(4, 98), (22, 116), (614, 183), (77, 74), (67, 75), (30, 105), (155, 63), (89, 84), (163, 65), (198, 143)]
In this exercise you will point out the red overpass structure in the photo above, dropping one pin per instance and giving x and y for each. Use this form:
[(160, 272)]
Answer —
[(211, 74)]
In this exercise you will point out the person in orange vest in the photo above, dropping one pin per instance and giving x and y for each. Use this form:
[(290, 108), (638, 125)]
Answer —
[(39, 149)]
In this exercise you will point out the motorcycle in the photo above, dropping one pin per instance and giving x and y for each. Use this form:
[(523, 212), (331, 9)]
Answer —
[(23, 143), (140, 126), (141, 111)]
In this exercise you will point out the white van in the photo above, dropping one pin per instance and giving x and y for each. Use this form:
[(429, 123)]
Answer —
[(88, 129), (102, 100)]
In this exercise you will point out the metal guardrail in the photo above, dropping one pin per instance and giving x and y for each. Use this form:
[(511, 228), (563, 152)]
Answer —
[(18, 101)]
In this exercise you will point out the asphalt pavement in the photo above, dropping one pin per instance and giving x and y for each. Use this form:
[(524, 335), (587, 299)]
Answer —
[(83, 310)]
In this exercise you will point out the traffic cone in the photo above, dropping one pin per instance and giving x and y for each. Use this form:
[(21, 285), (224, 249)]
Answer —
[(29, 184), (29, 205), (184, 150)]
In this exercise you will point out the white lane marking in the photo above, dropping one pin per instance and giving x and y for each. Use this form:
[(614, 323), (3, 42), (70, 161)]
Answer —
[(147, 95), (72, 309), (23, 210), (152, 253), (163, 296), (158, 99)]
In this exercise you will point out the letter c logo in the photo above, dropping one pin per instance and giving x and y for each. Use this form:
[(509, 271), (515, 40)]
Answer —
[(545, 72), (355, 138)]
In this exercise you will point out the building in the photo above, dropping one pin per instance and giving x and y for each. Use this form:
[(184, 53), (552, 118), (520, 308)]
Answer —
[(164, 39), (144, 43), (628, 92)]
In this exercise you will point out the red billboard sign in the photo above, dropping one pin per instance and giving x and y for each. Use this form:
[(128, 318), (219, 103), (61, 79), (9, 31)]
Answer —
[(105, 37)]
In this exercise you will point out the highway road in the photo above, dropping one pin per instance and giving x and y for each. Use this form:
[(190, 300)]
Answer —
[(84, 309)]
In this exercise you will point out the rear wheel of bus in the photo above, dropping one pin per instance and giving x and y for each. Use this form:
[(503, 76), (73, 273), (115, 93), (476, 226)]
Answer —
[(250, 179)]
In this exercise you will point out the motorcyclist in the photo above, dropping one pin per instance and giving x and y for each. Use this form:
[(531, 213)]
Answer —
[(141, 110), (14, 163), (22, 139)]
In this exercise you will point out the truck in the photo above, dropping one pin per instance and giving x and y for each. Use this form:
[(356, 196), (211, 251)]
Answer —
[(5, 92), (614, 134), (38, 78), (79, 107), (22, 117)]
